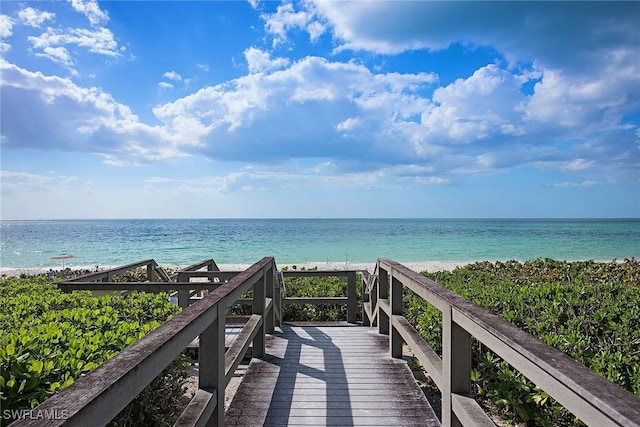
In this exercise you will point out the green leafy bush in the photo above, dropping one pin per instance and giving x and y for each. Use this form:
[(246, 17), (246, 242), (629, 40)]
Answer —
[(159, 404), (588, 310), (51, 338), (308, 287), (315, 287)]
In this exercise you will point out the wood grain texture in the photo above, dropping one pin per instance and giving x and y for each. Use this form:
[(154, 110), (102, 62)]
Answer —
[(329, 376)]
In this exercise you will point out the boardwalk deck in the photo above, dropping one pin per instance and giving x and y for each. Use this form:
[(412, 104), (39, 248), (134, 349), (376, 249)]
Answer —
[(329, 376)]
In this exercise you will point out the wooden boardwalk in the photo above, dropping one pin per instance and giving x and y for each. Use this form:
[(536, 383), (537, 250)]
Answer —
[(315, 374), (329, 376)]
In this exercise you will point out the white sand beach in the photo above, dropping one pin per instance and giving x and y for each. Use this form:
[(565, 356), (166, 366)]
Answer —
[(418, 266)]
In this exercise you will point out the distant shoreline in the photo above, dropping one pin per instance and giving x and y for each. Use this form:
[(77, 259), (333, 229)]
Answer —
[(419, 267)]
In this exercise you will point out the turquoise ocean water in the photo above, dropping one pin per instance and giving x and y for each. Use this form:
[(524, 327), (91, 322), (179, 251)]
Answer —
[(31, 244)]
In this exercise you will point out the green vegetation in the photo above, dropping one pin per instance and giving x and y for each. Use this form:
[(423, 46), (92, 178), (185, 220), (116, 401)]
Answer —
[(51, 338), (296, 287), (315, 287), (588, 310)]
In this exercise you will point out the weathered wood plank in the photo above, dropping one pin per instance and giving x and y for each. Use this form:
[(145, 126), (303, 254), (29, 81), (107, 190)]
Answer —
[(313, 375), (338, 404), (407, 421), (198, 410), (586, 394), (240, 345), (425, 354), (230, 335), (469, 412), (97, 397)]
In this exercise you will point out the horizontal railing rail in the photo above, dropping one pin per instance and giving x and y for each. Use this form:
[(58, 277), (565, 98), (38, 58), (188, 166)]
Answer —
[(188, 281), (99, 396), (210, 264), (152, 271), (137, 286), (96, 398), (351, 299), (587, 395), (184, 284), (107, 275)]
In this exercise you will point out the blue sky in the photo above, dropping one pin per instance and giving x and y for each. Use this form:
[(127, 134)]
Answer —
[(319, 109)]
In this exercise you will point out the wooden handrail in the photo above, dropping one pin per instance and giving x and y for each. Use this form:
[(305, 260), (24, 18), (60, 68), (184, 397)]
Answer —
[(99, 396), (103, 392), (109, 273), (350, 299), (137, 286), (179, 282), (209, 263), (586, 394)]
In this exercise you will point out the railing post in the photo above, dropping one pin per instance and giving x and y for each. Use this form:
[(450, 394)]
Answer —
[(373, 296), (277, 298), (258, 308), (151, 274), (365, 299), (183, 294), (456, 365), (269, 291), (211, 365), (395, 303), (383, 293), (352, 297)]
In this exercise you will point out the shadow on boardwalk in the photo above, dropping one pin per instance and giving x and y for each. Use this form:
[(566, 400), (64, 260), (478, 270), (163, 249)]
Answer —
[(329, 376)]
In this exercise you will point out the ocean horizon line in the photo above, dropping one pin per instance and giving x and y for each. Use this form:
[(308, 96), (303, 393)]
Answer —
[(524, 218)]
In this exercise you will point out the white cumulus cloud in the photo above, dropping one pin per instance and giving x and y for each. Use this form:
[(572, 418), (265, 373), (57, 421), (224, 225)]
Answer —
[(91, 10), (6, 26), (6, 30), (34, 17), (476, 108), (297, 111), (172, 75), (59, 55), (547, 32), (349, 124), (99, 40), (73, 118), (259, 61), (287, 18)]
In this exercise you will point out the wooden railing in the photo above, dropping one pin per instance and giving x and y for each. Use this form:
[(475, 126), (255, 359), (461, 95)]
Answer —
[(99, 396), (588, 396), (178, 284), (104, 392), (108, 275), (350, 299), (190, 281)]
